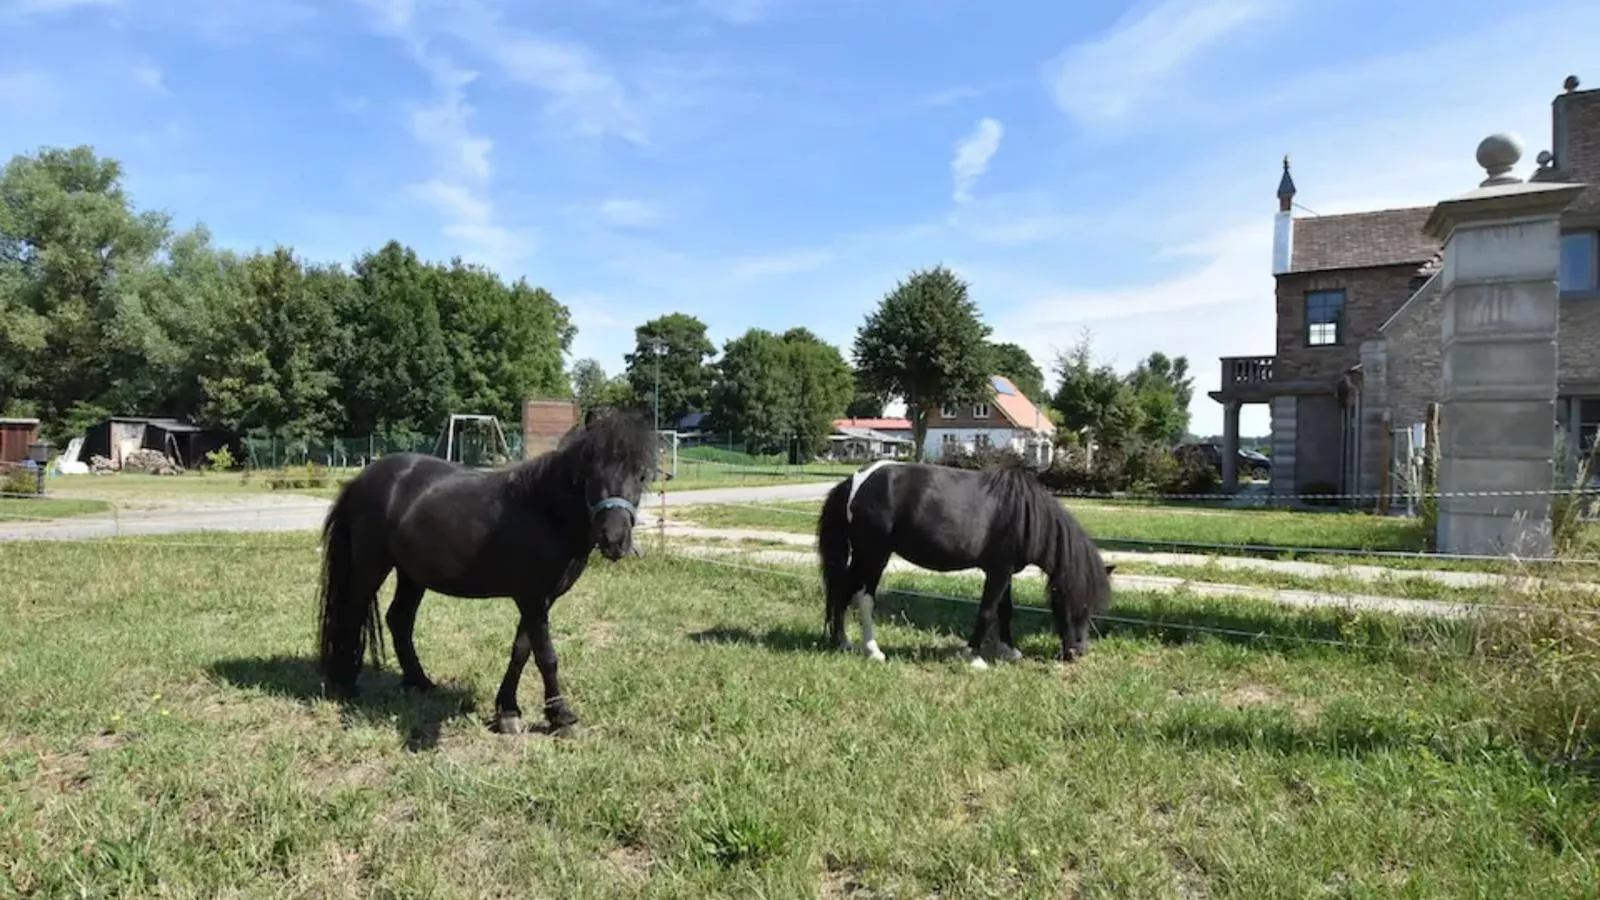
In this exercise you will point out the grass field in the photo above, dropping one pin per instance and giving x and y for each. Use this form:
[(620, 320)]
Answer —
[(1108, 522), (1146, 527), (163, 734), (23, 509)]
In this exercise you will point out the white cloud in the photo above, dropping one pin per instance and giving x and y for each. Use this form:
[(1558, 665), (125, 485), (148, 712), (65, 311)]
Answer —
[(581, 92), (973, 154), (26, 89), (624, 212), (739, 12), (150, 77), (1103, 80), (950, 96)]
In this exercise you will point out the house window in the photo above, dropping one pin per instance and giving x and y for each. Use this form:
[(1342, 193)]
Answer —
[(1588, 424), (951, 441), (1578, 267), (980, 410), (981, 441), (947, 412), (1324, 316)]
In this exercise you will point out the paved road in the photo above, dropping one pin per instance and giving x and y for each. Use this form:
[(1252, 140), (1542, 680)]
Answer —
[(253, 515)]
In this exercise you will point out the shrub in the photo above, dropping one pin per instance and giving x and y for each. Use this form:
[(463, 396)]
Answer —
[(959, 457), (220, 459), (1150, 470), (18, 480), (1195, 474)]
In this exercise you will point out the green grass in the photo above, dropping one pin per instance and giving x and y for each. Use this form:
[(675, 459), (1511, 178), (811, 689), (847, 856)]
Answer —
[(694, 475), (23, 509), (163, 733), (1191, 530), (1176, 524)]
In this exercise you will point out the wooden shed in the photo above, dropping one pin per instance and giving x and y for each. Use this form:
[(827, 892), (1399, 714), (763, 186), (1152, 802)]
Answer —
[(15, 436), (184, 442)]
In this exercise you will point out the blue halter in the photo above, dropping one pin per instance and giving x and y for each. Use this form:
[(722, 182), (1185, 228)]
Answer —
[(614, 503)]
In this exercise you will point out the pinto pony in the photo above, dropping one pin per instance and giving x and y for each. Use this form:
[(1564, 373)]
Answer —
[(999, 519)]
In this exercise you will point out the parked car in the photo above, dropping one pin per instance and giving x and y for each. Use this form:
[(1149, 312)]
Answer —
[(1251, 463)]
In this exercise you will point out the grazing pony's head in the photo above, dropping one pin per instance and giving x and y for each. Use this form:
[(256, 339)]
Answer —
[(610, 459), (1079, 581)]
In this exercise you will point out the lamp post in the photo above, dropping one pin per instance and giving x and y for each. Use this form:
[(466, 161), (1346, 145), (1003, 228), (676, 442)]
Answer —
[(658, 349), (39, 454)]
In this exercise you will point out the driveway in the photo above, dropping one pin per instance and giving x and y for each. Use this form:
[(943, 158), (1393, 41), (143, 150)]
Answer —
[(273, 513)]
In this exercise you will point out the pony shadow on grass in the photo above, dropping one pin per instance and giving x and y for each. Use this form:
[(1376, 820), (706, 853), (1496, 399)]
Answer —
[(418, 717)]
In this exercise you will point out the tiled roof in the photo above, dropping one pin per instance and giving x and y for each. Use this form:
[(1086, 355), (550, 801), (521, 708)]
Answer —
[(1388, 237), (1018, 408)]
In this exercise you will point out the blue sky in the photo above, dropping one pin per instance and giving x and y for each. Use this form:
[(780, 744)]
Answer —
[(773, 163)]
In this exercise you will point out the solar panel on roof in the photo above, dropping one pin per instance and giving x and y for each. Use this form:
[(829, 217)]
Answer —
[(1001, 387)]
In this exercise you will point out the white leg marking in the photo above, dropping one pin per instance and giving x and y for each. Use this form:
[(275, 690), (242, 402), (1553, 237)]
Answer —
[(972, 659), (1009, 653), (869, 633)]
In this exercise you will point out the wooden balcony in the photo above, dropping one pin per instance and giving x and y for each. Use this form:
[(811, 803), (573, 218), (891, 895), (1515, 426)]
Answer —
[(1246, 379)]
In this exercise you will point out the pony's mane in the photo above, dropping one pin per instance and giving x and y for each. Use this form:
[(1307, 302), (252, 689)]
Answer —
[(1049, 534), (620, 443)]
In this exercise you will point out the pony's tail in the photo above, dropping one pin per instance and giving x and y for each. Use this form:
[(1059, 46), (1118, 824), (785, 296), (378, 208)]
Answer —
[(833, 546), (349, 622)]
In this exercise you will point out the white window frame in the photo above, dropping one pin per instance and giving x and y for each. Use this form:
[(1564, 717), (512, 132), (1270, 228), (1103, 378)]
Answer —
[(947, 411), (980, 410)]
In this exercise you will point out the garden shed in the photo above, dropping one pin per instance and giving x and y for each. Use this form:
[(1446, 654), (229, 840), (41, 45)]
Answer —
[(15, 436), (185, 442)]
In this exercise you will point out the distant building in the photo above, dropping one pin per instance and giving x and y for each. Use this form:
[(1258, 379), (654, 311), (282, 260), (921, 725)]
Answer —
[(1007, 419), (869, 439)]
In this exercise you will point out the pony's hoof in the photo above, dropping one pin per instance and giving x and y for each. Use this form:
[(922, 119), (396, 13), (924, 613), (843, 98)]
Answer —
[(342, 692), (507, 723), (873, 653), (973, 660), (1009, 653), (560, 717), (844, 647)]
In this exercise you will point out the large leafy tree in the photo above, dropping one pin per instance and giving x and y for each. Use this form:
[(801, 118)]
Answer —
[(925, 344), (864, 404), (71, 250), (755, 392), (685, 375), (1164, 389), (1015, 363), (823, 385), (268, 367), (395, 371), (505, 343), (1094, 398)]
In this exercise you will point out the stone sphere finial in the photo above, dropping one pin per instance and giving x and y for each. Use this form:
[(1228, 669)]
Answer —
[(1498, 154)]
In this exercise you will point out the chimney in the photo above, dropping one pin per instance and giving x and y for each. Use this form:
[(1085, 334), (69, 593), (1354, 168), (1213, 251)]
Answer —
[(1283, 224)]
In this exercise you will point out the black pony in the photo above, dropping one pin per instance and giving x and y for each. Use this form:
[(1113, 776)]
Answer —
[(999, 519), (524, 532)]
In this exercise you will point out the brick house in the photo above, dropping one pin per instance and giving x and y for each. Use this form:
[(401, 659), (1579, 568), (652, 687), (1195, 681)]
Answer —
[(1007, 419), (1359, 329)]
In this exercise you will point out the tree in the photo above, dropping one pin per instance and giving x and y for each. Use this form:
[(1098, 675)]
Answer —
[(268, 366), (755, 392), (1164, 389), (505, 343), (864, 404), (685, 376), (926, 345), (394, 372), (588, 381), (1017, 364), (70, 247), (823, 385), (1095, 398)]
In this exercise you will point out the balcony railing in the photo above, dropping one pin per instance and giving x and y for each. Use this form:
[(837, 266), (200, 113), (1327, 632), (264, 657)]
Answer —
[(1240, 370)]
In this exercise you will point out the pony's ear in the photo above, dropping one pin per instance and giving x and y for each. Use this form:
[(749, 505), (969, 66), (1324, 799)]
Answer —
[(1111, 568)]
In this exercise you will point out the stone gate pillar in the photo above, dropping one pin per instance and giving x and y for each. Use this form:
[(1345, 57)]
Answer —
[(1501, 306)]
